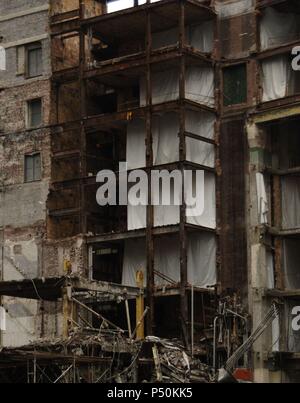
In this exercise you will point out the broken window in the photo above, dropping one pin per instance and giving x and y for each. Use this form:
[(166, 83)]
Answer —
[(34, 113), (106, 263), (235, 85), (33, 167)]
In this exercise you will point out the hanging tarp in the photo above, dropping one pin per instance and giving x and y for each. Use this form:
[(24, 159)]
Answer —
[(199, 152), (136, 146), (165, 132), (201, 253), (167, 259), (136, 217), (239, 7), (200, 85), (202, 260), (291, 258), (262, 199), (290, 202), (134, 260), (200, 37), (208, 218), (201, 123), (165, 86), (278, 28), (276, 73)]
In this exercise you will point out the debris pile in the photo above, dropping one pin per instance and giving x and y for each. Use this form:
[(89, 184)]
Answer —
[(174, 364)]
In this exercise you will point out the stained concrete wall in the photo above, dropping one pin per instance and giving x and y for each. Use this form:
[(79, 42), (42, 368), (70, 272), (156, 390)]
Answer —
[(13, 6), (259, 274), (23, 205), (22, 23)]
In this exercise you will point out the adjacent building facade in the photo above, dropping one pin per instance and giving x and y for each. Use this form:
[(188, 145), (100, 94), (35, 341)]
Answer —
[(164, 85)]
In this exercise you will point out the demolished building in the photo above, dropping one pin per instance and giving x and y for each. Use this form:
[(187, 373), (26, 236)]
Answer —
[(168, 84)]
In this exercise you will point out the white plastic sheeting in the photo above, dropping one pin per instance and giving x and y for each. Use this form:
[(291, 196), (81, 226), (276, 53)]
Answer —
[(290, 202), (262, 199), (227, 10), (291, 258), (165, 86), (199, 152), (293, 335), (170, 215), (201, 253), (136, 146), (200, 37), (276, 77), (271, 285), (166, 215), (277, 28), (202, 260), (167, 259), (165, 131), (134, 260), (136, 217), (208, 218), (270, 270), (201, 123), (200, 85)]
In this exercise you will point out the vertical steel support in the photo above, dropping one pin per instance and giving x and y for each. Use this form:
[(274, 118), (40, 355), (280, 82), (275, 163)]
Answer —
[(183, 235), (83, 112), (149, 160)]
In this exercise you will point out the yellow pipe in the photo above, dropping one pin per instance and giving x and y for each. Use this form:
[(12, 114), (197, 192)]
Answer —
[(140, 306)]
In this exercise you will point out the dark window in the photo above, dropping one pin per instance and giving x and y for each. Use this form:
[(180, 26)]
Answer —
[(235, 85), (34, 60), (33, 167), (34, 113), (107, 264)]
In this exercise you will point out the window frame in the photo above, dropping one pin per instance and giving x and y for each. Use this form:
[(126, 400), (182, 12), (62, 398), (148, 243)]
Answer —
[(29, 123), (32, 156), (29, 48), (246, 100)]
